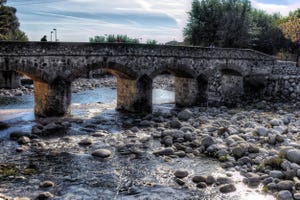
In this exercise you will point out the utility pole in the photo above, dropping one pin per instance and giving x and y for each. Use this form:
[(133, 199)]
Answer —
[(51, 36), (55, 34)]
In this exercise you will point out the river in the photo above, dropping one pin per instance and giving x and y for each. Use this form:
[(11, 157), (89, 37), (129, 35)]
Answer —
[(78, 176)]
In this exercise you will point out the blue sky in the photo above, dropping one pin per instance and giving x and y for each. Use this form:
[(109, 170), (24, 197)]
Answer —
[(77, 20)]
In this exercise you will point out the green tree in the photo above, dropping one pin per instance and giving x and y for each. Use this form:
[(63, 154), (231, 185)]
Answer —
[(9, 24), (203, 22), (233, 30), (224, 23), (264, 33), (97, 38)]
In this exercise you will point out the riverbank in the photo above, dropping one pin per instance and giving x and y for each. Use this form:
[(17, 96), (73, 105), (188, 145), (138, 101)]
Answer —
[(196, 153), (160, 82)]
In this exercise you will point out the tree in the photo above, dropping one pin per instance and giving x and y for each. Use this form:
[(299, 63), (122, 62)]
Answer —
[(9, 24), (234, 24), (203, 22), (291, 31), (224, 23), (264, 33)]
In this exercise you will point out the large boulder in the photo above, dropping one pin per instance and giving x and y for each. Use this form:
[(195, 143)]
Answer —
[(293, 155)]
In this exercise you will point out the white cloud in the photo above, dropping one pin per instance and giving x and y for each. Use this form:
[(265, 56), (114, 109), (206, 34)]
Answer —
[(283, 8)]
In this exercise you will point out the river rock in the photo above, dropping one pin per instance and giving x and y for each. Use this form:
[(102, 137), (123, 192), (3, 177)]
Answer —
[(293, 155), (46, 184), (285, 185), (223, 180), (44, 195), (284, 195), (201, 185), (227, 188), (207, 141), (86, 142), (275, 122), (24, 140), (276, 174), (262, 131), (181, 173), (3, 126), (17, 134), (297, 196), (102, 153), (185, 115), (166, 151), (175, 123), (198, 179), (210, 180)]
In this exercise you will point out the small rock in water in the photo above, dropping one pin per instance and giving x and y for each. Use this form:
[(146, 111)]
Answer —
[(46, 184), (86, 142), (210, 180), (179, 181), (3, 126), (102, 153), (201, 185), (23, 140), (198, 179), (17, 134), (227, 188), (44, 195), (181, 174)]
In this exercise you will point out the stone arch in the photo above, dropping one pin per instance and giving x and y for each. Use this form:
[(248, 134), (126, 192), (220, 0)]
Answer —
[(232, 83), (176, 70), (202, 97), (28, 69), (231, 69), (116, 69)]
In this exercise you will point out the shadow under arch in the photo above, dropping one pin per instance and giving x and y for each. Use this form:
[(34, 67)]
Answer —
[(116, 69), (176, 70), (202, 96), (231, 69)]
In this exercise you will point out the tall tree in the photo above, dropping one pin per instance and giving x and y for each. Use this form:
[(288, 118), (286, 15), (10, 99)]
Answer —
[(264, 33), (223, 23), (234, 24), (9, 24), (203, 22)]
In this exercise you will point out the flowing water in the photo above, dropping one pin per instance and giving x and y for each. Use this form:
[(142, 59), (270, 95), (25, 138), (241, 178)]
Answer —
[(79, 176)]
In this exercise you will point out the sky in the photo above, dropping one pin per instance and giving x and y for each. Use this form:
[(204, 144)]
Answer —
[(78, 20)]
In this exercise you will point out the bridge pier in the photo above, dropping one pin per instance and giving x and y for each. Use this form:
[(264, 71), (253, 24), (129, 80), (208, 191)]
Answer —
[(134, 95), (9, 79), (186, 92), (52, 99)]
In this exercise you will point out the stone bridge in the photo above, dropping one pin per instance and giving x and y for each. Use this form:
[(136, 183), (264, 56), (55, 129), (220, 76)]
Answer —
[(202, 75)]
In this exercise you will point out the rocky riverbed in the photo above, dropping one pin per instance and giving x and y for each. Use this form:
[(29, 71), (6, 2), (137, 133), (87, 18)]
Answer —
[(162, 82), (167, 154)]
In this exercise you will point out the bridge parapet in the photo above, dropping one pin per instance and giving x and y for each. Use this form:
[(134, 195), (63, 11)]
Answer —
[(124, 49)]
